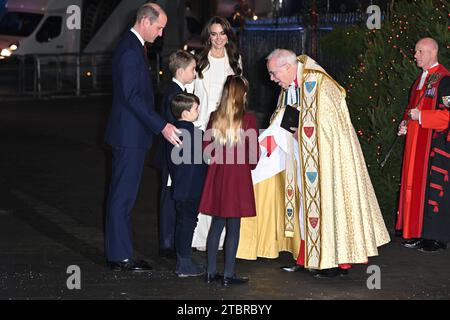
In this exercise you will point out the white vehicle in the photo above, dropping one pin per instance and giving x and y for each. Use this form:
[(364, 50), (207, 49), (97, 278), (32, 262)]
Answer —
[(40, 26)]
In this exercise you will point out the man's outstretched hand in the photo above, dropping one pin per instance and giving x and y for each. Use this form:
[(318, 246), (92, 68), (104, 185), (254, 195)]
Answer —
[(170, 133)]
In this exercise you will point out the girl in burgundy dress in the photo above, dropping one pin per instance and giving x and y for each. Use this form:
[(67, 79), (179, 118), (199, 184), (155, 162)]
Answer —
[(231, 144)]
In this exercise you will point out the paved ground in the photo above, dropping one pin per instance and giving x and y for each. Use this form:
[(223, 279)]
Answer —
[(53, 170)]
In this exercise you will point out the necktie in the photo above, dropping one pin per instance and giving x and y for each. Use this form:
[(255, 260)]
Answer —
[(145, 51)]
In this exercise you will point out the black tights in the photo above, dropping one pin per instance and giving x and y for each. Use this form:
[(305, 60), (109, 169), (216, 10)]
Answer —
[(230, 245)]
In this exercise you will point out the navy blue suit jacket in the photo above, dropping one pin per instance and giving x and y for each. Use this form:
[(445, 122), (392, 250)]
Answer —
[(166, 110), (159, 161), (187, 178), (133, 120)]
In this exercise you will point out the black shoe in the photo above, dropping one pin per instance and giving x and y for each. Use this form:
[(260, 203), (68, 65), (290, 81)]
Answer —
[(130, 265), (298, 268), (209, 278), (234, 280), (294, 268), (432, 246), (415, 243), (331, 273), (191, 270)]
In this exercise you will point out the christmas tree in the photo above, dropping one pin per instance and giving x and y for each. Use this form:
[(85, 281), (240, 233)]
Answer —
[(378, 86)]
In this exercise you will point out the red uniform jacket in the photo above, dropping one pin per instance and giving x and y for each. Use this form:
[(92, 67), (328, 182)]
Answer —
[(417, 153)]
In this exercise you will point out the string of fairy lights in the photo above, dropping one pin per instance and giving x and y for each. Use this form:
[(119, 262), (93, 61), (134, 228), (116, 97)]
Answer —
[(388, 49)]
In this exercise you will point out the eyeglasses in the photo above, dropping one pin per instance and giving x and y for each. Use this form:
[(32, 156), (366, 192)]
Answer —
[(277, 70)]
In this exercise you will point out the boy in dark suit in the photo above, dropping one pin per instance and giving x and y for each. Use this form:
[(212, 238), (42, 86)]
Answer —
[(188, 171), (182, 66)]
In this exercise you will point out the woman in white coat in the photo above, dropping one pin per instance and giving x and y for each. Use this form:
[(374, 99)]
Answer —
[(218, 59)]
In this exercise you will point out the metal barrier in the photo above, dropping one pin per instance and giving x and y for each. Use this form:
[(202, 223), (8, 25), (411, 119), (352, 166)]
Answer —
[(47, 75), (64, 74)]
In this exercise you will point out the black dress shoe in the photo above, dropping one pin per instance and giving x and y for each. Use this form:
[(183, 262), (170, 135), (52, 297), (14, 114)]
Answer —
[(190, 270), (298, 268), (432, 246), (415, 243), (294, 268), (234, 280), (331, 273), (130, 265), (209, 278)]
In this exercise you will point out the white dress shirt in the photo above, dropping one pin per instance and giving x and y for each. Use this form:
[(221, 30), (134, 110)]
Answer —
[(138, 36), (424, 76), (183, 88)]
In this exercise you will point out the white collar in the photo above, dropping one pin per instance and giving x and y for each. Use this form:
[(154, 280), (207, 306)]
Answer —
[(434, 65), (179, 84), (138, 36)]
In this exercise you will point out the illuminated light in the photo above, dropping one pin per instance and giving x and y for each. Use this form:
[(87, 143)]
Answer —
[(5, 53), (255, 17), (13, 47), (161, 72), (2, 57), (88, 73), (185, 47)]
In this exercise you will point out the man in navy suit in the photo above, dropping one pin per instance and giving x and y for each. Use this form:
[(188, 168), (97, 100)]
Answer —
[(132, 124)]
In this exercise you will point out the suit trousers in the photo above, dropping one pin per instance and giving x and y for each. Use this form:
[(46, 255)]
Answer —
[(127, 167), (166, 214), (186, 221)]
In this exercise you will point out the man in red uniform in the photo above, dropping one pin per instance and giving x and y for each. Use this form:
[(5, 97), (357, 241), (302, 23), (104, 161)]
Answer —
[(423, 213)]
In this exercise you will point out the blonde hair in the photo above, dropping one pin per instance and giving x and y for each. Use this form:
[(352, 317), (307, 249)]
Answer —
[(227, 122)]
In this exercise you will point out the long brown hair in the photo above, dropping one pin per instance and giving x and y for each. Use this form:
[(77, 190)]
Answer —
[(227, 122), (230, 47)]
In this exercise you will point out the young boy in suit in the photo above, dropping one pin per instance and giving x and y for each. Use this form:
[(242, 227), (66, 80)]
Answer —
[(182, 66), (188, 171)]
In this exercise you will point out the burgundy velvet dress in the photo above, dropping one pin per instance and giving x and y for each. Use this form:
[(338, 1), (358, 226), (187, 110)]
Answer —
[(228, 188)]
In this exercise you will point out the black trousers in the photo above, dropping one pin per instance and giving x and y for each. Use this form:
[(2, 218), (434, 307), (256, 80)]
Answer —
[(436, 218), (186, 221)]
